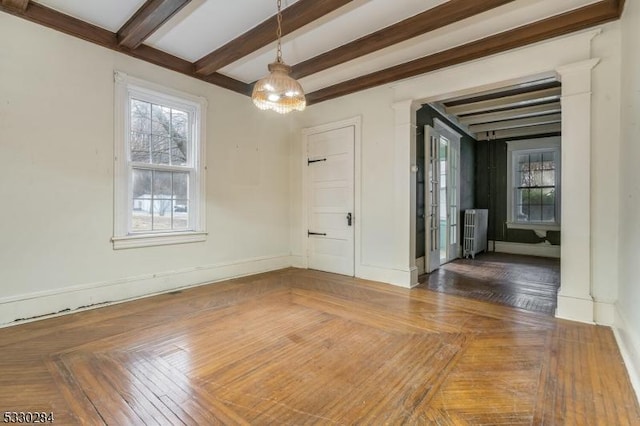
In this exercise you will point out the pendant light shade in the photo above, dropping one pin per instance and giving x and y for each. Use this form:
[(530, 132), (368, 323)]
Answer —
[(278, 91)]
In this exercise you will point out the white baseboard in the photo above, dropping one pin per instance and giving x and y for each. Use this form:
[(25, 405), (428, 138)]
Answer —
[(541, 249), (604, 313), (575, 309), (299, 261), (33, 306), (397, 277), (629, 344)]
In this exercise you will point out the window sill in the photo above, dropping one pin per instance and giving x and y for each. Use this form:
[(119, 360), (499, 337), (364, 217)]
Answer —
[(534, 226), (150, 240)]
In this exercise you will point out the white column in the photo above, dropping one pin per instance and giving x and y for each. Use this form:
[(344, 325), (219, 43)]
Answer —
[(405, 190), (575, 301)]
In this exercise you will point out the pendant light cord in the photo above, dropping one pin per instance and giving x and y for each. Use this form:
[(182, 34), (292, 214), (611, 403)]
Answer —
[(279, 33)]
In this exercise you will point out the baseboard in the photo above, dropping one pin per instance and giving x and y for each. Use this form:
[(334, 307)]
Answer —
[(541, 249), (32, 306), (397, 277), (575, 309), (604, 313), (299, 261), (629, 344)]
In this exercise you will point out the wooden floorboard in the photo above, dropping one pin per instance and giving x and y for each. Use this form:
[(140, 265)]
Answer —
[(525, 282), (305, 347)]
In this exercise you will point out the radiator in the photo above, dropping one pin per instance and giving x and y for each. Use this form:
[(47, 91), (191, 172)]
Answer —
[(475, 232)]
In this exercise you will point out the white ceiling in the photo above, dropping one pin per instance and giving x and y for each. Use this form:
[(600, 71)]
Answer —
[(205, 25)]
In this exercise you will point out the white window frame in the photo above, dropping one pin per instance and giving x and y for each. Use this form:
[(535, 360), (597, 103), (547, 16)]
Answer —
[(127, 87), (515, 148)]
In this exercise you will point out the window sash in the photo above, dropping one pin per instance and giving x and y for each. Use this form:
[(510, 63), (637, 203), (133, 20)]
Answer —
[(128, 88), (549, 154)]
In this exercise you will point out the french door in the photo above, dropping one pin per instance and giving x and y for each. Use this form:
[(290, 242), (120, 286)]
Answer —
[(442, 151)]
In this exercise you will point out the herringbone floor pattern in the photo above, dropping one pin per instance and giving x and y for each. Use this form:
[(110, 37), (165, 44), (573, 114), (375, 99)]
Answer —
[(303, 347), (524, 282)]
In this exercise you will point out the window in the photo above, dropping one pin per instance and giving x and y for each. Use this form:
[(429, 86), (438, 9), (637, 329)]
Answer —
[(159, 179), (534, 184)]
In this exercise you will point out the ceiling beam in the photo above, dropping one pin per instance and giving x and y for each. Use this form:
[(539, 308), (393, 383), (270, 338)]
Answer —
[(510, 101), (510, 114), (17, 5), (429, 20), (295, 16), (565, 23), (151, 16), (513, 124), (75, 27), (543, 129)]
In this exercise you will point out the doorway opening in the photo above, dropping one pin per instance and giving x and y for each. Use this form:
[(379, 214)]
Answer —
[(470, 155)]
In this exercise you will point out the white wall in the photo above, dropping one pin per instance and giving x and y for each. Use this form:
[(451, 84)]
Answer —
[(628, 307), (56, 180)]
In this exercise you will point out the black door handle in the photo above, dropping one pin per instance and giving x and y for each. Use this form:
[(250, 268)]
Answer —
[(349, 219), (309, 233)]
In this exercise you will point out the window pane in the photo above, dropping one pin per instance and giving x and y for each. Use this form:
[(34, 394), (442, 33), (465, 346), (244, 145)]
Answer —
[(142, 184), (535, 213), (181, 214), (140, 116), (141, 219), (180, 185), (162, 187), (549, 178), (179, 137), (548, 213), (140, 151), (160, 150), (160, 120), (162, 214), (549, 196), (548, 157)]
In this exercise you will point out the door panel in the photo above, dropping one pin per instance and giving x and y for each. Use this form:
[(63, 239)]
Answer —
[(330, 194), (432, 198)]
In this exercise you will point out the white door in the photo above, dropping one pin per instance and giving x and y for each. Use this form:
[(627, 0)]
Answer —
[(330, 195)]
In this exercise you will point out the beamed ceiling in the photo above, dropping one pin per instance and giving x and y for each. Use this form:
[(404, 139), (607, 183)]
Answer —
[(336, 47)]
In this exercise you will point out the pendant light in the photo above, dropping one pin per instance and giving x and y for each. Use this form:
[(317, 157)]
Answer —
[(278, 90)]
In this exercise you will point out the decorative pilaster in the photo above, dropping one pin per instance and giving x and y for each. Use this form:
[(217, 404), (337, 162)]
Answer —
[(575, 300), (405, 189)]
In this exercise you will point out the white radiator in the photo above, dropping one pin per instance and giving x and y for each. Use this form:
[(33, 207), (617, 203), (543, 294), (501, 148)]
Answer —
[(475, 232)]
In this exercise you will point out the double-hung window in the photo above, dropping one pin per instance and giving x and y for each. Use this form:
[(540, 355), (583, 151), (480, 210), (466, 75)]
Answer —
[(534, 184), (159, 170)]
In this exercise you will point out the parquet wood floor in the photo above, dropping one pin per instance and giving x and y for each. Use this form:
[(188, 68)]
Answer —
[(525, 282), (300, 347)]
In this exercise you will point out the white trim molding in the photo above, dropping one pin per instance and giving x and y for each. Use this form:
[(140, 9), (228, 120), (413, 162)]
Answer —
[(45, 304), (575, 298), (404, 203)]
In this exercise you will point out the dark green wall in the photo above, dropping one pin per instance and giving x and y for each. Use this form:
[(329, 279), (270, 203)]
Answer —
[(491, 193), (425, 116)]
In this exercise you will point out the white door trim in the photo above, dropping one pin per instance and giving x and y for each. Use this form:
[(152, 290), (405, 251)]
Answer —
[(356, 122)]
